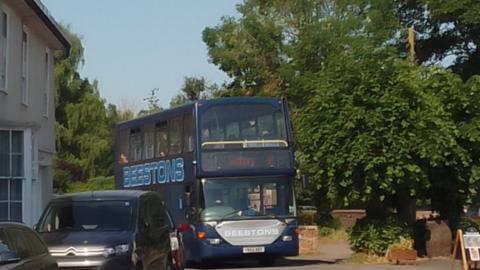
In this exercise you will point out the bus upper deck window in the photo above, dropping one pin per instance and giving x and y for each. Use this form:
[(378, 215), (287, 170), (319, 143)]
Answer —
[(148, 141), (175, 135), (135, 144), (161, 140), (187, 133)]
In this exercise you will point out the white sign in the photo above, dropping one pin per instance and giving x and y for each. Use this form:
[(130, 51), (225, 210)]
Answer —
[(471, 240), (474, 254)]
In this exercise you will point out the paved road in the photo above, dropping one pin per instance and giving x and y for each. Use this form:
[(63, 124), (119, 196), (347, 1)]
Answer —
[(318, 264)]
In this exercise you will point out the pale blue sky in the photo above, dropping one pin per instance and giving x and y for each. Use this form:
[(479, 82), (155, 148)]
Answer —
[(132, 47)]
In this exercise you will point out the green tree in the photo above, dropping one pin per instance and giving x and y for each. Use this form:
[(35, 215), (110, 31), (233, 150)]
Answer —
[(378, 133), (372, 130), (447, 29), (193, 88), (84, 125), (153, 103)]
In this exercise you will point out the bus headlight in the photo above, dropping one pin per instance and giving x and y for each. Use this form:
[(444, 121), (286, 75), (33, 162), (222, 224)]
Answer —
[(287, 238), (214, 241)]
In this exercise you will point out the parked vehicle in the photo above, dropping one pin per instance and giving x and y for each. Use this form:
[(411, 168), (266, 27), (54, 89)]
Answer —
[(110, 230), (21, 248)]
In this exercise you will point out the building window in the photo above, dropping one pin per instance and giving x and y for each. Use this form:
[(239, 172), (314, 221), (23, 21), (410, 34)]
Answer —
[(24, 63), (11, 174), (47, 85), (3, 51)]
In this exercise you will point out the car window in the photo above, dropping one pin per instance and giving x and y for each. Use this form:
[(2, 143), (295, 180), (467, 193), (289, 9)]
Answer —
[(19, 242), (6, 249), (37, 247)]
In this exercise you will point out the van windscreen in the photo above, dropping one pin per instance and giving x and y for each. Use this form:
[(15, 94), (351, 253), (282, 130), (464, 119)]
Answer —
[(87, 216)]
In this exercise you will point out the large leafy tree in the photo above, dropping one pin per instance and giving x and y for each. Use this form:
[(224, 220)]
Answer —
[(448, 32), (274, 44), (371, 129), (84, 124), (378, 134)]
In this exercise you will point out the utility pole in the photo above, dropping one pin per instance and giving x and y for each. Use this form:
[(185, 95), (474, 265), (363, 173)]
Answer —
[(411, 44)]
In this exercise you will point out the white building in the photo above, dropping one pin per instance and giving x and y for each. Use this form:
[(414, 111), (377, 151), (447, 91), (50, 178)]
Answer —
[(28, 38)]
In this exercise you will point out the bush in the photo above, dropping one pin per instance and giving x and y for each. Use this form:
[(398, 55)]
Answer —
[(326, 231), (374, 236), (466, 223), (306, 218)]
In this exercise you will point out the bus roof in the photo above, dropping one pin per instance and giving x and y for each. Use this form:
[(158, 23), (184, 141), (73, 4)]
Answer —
[(189, 107)]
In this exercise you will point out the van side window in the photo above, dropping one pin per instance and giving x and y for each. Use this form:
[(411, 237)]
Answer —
[(135, 144), (175, 135), (188, 133), (161, 140)]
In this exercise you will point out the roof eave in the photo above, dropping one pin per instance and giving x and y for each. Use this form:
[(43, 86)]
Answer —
[(43, 14)]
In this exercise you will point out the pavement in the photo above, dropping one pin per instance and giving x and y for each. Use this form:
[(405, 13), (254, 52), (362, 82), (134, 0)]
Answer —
[(330, 256)]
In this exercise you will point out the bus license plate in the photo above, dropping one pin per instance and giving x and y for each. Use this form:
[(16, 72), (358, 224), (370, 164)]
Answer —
[(253, 249)]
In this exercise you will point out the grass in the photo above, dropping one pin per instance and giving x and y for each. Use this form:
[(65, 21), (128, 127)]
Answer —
[(363, 258), (338, 235)]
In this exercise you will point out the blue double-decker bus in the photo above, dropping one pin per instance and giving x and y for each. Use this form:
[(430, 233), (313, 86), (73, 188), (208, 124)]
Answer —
[(225, 168)]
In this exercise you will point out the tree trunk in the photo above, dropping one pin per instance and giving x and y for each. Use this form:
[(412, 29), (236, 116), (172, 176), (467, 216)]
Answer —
[(406, 207)]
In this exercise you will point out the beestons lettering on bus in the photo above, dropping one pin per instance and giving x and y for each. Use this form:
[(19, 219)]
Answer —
[(161, 172)]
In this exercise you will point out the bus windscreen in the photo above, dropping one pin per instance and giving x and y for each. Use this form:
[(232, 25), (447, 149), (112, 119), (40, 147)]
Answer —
[(246, 198)]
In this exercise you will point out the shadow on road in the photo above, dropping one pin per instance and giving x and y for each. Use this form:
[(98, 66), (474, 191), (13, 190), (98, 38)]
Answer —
[(290, 262)]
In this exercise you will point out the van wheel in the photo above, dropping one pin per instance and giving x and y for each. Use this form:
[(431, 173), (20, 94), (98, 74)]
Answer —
[(266, 261)]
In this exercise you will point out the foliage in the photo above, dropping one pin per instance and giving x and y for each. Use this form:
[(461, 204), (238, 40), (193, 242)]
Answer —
[(333, 235), (97, 183), (374, 236), (447, 29), (306, 217), (153, 105), (326, 231), (84, 124), (373, 134), (402, 243), (274, 45), (193, 88), (465, 223), (371, 129)]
